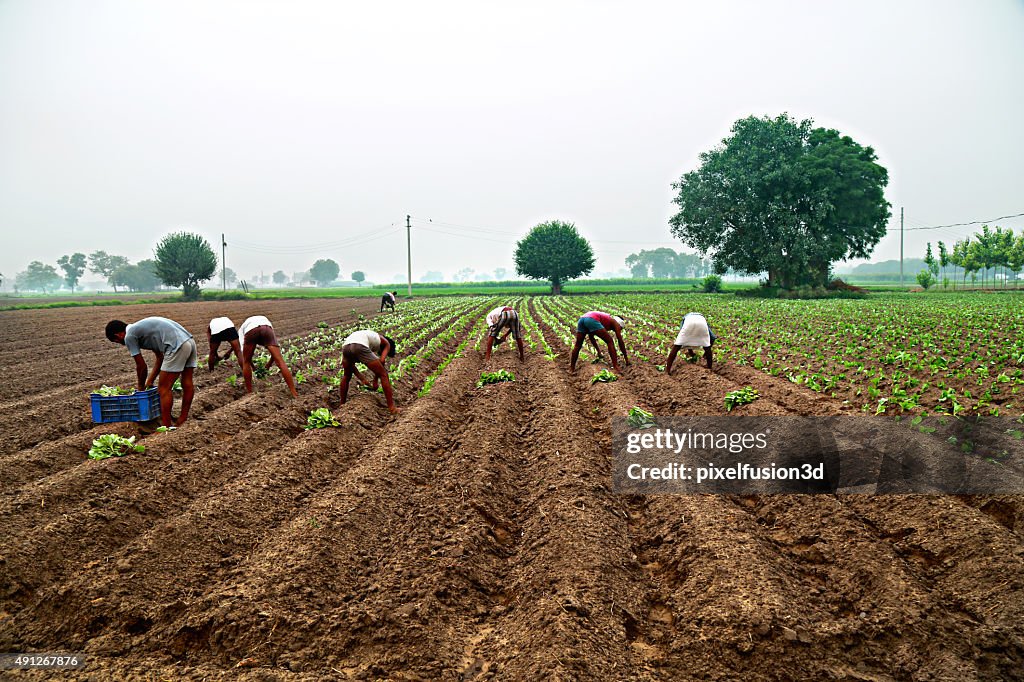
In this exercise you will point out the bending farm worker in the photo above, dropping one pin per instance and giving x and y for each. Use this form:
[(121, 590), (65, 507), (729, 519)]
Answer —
[(503, 317), (176, 355), (222, 330), (368, 347), (596, 323), (257, 331), (388, 300), (694, 333)]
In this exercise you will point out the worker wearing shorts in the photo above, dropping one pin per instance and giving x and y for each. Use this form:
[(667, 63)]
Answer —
[(222, 330), (367, 346), (503, 317), (599, 324), (257, 331), (176, 356)]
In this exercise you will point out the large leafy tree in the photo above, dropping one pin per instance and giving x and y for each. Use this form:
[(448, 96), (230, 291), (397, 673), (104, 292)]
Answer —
[(324, 271), (782, 197), (185, 260), (554, 251), (280, 277), (73, 267), (105, 264), (359, 276)]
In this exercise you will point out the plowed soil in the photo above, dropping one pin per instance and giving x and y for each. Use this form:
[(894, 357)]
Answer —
[(474, 536)]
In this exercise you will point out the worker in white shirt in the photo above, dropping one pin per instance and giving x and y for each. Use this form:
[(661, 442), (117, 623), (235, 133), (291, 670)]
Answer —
[(694, 334), (222, 330), (371, 349)]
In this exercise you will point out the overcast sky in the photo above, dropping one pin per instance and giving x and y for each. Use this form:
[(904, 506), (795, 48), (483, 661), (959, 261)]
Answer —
[(302, 129)]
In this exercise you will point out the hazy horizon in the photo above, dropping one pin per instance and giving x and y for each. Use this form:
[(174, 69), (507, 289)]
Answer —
[(310, 130)]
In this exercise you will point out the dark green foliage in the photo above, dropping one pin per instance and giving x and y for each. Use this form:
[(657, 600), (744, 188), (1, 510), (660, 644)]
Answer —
[(782, 197), (712, 284), (185, 260), (554, 251)]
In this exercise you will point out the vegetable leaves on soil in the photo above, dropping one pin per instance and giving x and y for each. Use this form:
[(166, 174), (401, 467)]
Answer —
[(742, 396), (113, 445), (321, 418), (495, 377)]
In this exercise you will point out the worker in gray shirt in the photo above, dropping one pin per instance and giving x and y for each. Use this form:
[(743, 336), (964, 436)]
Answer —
[(176, 355)]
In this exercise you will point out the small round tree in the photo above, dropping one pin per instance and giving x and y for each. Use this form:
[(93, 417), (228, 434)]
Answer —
[(554, 251), (185, 260), (324, 271), (359, 276)]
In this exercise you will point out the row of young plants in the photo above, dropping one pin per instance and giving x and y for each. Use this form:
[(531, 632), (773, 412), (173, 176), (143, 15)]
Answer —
[(889, 354), (414, 327)]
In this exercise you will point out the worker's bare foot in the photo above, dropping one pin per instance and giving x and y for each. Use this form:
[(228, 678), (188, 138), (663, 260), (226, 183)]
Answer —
[(394, 410)]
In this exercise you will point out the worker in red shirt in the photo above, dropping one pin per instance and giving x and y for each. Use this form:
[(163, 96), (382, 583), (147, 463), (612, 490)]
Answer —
[(596, 323)]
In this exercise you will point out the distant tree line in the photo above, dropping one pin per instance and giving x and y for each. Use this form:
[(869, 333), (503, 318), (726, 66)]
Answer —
[(118, 271), (664, 262), (992, 253)]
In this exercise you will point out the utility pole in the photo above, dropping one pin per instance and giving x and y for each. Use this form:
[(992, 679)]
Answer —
[(408, 247), (901, 246), (223, 262)]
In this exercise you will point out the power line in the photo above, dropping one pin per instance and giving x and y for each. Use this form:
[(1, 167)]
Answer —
[(294, 249), (427, 223), (973, 222)]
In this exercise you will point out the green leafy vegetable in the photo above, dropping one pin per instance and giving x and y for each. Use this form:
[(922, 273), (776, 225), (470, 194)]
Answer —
[(113, 445), (640, 418), (321, 418), (604, 375), (107, 391), (739, 397), (495, 377)]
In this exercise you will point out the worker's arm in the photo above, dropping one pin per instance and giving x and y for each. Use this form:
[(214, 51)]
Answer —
[(156, 368), (671, 358), (140, 371), (622, 344)]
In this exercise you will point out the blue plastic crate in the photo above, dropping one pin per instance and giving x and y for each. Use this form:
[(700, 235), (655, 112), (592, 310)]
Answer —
[(138, 407)]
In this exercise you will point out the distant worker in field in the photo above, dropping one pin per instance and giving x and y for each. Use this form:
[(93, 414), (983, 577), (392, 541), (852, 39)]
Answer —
[(596, 323), (371, 349), (222, 330), (388, 300), (257, 331), (694, 333), (176, 356), (503, 317)]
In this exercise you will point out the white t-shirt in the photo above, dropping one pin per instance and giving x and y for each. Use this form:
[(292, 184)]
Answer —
[(694, 332), (364, 337), (492, 317), (219, 324)]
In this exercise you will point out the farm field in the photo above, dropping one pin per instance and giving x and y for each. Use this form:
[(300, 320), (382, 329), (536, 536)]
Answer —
[(475, 535)]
